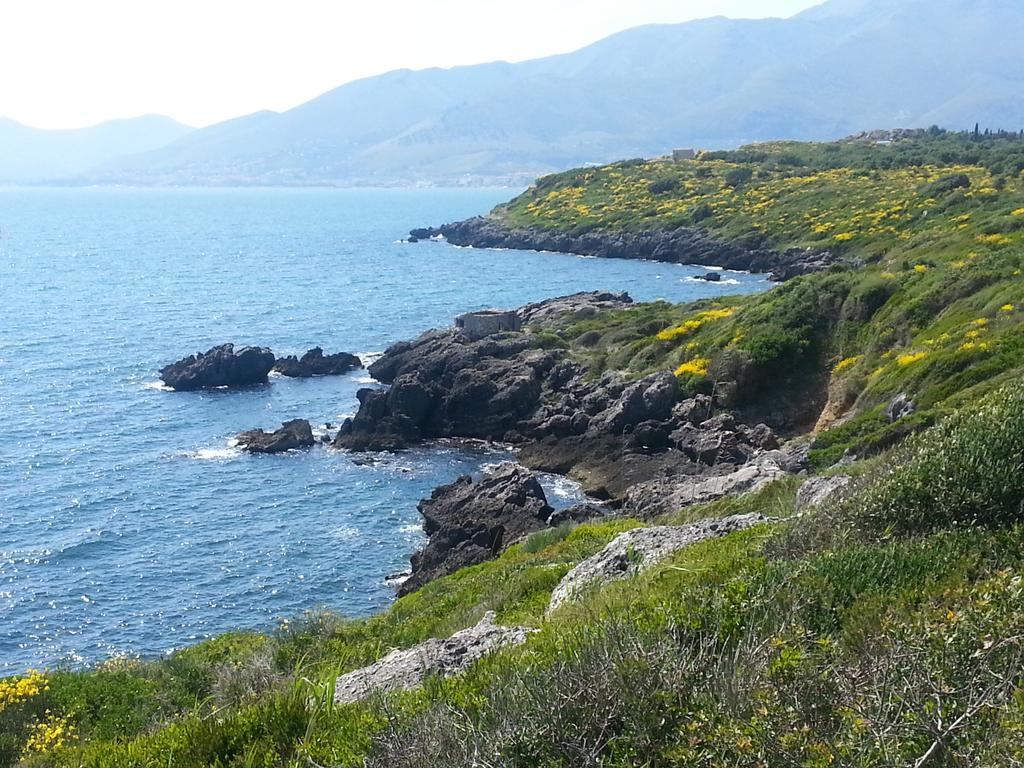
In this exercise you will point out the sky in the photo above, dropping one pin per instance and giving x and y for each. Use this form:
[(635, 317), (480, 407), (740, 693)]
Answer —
[(73, 63)]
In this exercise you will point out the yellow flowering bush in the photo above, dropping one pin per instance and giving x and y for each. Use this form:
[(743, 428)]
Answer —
[(678, 331), (1007, 308), (909, 359), (1019, 212), (54, 733), (845, 363), (699, 366), (920, 268), (20, 689), (843, 237), (995, 241)]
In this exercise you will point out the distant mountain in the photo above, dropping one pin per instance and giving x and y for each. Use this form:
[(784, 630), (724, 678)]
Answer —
[(34, 155), (845, 66)]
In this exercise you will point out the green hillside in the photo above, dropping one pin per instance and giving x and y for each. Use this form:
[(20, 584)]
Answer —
[(882, 629)]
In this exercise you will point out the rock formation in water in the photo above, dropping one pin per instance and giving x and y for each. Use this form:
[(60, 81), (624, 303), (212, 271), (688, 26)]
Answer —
[(470, 522), (686, 245), (292, 434), (316, 363), (221, 366)]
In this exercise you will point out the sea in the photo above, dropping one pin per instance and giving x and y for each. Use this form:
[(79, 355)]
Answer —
[(129, 523)]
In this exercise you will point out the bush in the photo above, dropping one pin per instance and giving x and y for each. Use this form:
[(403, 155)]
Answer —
[(945, 185), (737, 177)]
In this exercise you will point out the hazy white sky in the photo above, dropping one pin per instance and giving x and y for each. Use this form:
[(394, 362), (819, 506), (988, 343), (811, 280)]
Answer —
[(71, 63)]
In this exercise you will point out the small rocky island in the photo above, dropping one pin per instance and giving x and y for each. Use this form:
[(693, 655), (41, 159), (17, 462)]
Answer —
[(221, 366), (226, 366)]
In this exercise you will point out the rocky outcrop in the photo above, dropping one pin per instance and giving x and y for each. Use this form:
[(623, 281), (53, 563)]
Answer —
[(686, 245), (469, 522), (407, 669), (818, 490), (292, 434), (900, 407), (650, 499), (316, 363), (222, 366), (635, 551)]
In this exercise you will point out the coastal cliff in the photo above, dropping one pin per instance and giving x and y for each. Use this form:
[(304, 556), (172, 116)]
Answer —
[(818, 553)]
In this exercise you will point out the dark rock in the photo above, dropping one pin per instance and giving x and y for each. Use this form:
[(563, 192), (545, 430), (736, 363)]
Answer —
[(649, 399), (900, 407), (316, 363), (580, 513), (686, 245), (219, 367), (471, 522), (649, 436), (292, 434), (711, 277)]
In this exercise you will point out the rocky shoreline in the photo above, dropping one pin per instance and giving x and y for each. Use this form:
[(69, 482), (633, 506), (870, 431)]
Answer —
[(685, 245), (637, 444)]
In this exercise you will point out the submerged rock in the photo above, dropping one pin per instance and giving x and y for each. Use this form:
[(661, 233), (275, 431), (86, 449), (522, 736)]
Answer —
[(635, 551), (221, 366), (406, 669), (292, 434), (469, 522), (316, 363)]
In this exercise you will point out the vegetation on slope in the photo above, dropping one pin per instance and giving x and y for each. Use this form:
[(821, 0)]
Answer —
[(928, 301), (882, 629)]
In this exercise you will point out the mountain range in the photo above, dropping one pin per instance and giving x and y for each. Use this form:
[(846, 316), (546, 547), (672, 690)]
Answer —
[(836, 69)]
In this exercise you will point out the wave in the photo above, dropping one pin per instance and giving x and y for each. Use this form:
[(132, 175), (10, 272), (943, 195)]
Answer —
[(157, 386), (225, 453), (369, 358), (726, 281)]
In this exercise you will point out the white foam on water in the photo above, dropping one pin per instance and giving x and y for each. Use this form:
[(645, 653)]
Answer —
[(411, 528), (157, 386), (366, 380), (369, 358), (726, 281), (227, 453)]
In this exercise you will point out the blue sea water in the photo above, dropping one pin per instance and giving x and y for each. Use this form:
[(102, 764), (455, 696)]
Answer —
[(128, 525)]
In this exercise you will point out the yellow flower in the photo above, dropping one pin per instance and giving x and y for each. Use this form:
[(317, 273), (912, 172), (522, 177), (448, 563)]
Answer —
[(920, 268), (1019, 212), (697, 367), (904, 360), (842, 237), (17, 690), (48, 736), (996, 241), (848, 362), (1007, 307)]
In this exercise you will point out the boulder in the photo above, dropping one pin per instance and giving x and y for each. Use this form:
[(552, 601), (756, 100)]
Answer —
[(403, 670), (469, 522), (635, 551), (316, 363), (711, 277), (818, 490), (660, 496), (650, 399), (900, 407), (221, 366), (292, 434)]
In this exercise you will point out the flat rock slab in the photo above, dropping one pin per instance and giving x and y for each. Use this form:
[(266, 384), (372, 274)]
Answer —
[(819, 490), (633, 552), (667, 495), (404, 670)]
